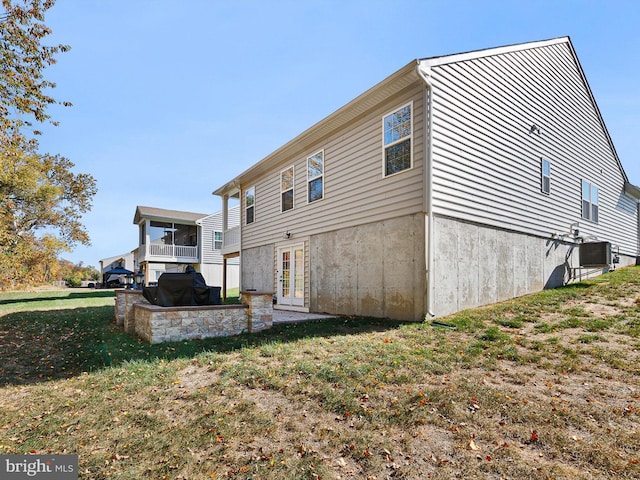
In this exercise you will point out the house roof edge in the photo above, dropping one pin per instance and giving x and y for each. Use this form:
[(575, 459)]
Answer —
[(165, 214), (488, 52), (320, 127)]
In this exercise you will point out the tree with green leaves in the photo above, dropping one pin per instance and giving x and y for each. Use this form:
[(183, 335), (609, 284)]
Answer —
[(41, 199)]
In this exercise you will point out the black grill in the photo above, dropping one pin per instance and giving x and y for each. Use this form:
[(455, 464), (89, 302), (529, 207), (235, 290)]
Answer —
[(182, 289)]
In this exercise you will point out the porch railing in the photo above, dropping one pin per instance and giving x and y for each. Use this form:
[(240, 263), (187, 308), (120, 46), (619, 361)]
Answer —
[(173, 251), (231, 240)]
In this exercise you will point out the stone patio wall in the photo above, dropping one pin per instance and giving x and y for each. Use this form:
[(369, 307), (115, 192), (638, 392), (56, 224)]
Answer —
[(125, 300), (157, 324)]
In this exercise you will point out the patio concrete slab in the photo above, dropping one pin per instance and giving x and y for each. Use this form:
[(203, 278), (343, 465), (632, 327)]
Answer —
[(286, 316)]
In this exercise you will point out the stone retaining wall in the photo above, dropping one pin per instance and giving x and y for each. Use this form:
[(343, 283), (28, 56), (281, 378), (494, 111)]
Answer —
[(125, 300), (157, 324), (171, 324), (260, 314)]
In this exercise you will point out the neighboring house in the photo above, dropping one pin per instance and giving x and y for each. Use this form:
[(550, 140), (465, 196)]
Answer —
[(457, 181), (125, 261), (170, 240)]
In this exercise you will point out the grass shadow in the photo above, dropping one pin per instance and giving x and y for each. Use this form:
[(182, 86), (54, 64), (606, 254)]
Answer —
[(39, 346), (60, 296)]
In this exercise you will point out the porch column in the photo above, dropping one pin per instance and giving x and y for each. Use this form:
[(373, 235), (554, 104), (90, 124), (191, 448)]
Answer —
[(224, 279), (225, 212)]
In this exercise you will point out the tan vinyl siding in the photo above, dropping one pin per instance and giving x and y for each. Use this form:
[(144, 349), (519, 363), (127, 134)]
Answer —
[(487, 164), (354, 190)]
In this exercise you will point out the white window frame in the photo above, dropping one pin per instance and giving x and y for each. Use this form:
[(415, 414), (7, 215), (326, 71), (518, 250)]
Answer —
[(289, 189), (393, 142), (545, 179), (217, 244), (312, 179), (590, 194), (250, 207), (291, 280)]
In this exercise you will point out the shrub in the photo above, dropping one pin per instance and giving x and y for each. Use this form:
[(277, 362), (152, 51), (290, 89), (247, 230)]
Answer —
[(73, 281)]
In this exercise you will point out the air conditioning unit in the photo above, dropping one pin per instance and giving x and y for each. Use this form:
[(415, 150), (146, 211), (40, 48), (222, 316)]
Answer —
[(595, 254)]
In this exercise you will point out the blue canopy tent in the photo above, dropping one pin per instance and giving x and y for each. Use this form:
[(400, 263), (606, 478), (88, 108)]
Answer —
[(117, 272)]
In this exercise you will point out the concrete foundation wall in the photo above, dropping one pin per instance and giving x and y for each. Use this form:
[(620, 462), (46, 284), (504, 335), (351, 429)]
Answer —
[(477, 265), (257, 266), (376, 269), (379, 270)]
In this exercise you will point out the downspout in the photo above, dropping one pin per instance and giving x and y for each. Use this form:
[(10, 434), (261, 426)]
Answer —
[(428, 198), (638, 237)]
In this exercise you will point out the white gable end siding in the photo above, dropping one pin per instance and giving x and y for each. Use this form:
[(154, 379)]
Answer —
[(211, 265), (211, 224), (487, 165)]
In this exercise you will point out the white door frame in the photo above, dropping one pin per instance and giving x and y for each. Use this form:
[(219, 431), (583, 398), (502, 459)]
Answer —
[(290, 275)]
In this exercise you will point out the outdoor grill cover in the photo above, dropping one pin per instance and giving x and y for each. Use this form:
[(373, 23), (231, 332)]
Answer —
[(180, 289)]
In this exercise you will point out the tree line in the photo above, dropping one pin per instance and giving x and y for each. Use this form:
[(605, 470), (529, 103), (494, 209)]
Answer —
[(42, 200)]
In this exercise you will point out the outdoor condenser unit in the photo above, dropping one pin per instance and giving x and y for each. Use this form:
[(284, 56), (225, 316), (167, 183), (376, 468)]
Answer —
[(595, 254)]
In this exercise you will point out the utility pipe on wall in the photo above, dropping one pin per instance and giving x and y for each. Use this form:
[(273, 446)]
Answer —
[(428, 169), (638, 249)]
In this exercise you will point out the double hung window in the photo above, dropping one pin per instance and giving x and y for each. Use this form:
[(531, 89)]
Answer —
[(589, 201), (397, 128), (217, 240), (315, 177), (286, 189), (250, 205), (545, 185)]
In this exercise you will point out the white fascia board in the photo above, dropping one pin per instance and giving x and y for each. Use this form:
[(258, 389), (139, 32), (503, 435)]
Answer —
[(462, 57)]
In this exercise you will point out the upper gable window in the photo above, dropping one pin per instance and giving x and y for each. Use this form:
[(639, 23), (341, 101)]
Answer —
[(397, 128), (286, 189), (545, 181), (589, 201), (250, 205), (315, 177)]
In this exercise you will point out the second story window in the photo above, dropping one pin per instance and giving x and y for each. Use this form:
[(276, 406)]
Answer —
[(161, 232), (546, 176), (315, 177), (589, 201), (396, 129), (286, 189), (168, 233), (250, 205)]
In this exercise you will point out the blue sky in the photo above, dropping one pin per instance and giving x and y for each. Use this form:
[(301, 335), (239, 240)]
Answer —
[(173, 99)]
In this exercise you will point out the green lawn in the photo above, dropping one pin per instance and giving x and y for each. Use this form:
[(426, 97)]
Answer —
[(545, 386)]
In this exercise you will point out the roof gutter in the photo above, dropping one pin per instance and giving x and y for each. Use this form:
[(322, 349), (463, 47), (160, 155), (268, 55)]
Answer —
[(631, 190), (428, 177)]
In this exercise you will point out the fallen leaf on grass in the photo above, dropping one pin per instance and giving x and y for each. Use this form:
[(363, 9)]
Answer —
[(116, 456)]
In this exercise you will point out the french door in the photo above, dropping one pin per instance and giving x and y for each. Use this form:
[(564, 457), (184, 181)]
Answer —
[(291, 275)]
